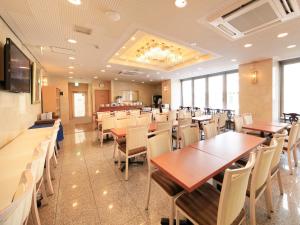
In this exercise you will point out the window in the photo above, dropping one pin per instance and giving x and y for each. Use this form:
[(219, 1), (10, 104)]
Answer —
[(232, 83), (79, 104), (215, 91), (187, 93), (199, 93), (291, 91)]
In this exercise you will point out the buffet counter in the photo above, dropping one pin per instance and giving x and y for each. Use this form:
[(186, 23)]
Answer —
[(119, 108)]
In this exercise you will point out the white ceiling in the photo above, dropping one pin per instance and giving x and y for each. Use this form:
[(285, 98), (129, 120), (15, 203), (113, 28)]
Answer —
[(51, 22)]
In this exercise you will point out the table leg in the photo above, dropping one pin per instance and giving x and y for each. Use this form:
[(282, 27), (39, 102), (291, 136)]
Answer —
[(165, 221)]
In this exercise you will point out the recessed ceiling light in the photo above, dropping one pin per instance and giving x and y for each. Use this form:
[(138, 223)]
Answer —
[(180, 3), (147, 75), (95, 77), (113, 15), (282, 35), (248, 45), (70, 77), (291, 46), (103, 71), (151, 80), (132, 80), (71, 67), (233, 60), (72, 41), (194, 44), (71, 58), (116, 78), (75, 2), (157, 73), (142, 82), (71, 72), (123, 47), (108, 66), (117, 54), (133, 39)]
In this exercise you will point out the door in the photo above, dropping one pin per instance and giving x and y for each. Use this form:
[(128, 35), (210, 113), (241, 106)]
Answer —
[(101, 97), (79, 104)]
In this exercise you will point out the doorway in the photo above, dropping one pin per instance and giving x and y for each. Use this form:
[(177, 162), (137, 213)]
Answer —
[(101, 98)]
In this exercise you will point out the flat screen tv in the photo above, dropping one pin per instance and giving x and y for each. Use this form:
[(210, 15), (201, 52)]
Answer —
[(17, 68)]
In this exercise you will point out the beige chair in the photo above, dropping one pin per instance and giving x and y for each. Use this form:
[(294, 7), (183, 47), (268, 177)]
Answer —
[(238, 124), (120, 114), (260, 180), (207, 206), (247, 118), (143, 120), (154, 112), (18, 211), (183, 114), (135, 145), (108, 122), (177, 135), (210, 130), (275, 167), (291, 147), (198, 113), (165, 110), (135, 112), (190, 134), (222, 122), (51, 159), (100, 115), (172, 115), (157, 145), (161, 117)]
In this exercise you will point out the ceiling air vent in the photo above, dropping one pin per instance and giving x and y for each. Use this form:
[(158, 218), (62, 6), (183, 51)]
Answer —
[(129, 73), (82, 30), (254, 15), (64, 51)]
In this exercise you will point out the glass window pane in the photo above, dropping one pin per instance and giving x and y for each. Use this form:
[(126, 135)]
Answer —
[(291, 88), (232, 81), (199, 93), (79, 104), (215, 92), (187, 93)]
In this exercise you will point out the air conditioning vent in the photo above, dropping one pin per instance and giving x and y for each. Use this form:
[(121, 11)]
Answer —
[(255, 15), (82, 30), (64, 51), (129, 73)]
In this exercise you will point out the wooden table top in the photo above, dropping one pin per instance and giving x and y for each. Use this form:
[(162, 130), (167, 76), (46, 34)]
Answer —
[(265, 127), (273, 123), (189, 167), (121, 132), (229, 146), (202, 118)]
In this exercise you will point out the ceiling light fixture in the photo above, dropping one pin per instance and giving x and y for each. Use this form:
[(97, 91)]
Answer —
[(147, 75), (71, 72), (116, 78), (71, 67), (72, 41), (103, 71), (151, 80), (95, 77), (233, 60), (282, 35), (133, 39), (72, 58), (248, 45), (108, 66), (180, 3), (132, 80), (76, 84), (113, 15), (70, 77), (291, 46), (75, 2)]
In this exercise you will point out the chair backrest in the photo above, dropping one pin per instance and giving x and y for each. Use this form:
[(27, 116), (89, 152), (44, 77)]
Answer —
[(164, 126), (198, 113), (247, 118), (190, 134), (101, 114), (18, 211), (155, 111), (120, 114), (172, 115), (158, 144), (135, 112), (181, 113), (161, 117), (108, 122), (210, 130), (280, 139), (143, 120), (124, 123), (293, 134), (222, 120), (233, 194), (52, 143), (43, 148), (262, 166), (238, 123), (298, 133), (136, 137), (165, 110)]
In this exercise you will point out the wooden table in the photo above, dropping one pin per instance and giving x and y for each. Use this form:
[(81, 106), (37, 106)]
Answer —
[(14, 158), (202, 118), (194, 165), (229, 146), (266, 127), (121, 132)]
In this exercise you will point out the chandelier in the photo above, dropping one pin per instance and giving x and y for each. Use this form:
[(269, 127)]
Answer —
[(160, 52)]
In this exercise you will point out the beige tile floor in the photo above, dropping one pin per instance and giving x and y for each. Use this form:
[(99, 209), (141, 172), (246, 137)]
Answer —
[(89, 189)]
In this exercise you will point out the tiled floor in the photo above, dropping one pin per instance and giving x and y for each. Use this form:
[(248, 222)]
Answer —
[(89, 189)]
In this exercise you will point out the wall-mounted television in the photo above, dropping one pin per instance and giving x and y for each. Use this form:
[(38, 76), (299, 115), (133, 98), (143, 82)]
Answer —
[(17, 68)]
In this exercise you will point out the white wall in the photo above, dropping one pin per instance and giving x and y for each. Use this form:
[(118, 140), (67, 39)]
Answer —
[(17, 112), (175, 94)]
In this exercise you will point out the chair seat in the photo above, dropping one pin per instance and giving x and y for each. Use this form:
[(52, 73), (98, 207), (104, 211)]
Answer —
[(202, 204), (132, 151), (168, 185)]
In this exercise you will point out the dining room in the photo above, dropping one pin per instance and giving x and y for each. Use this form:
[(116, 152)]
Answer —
[(155, 112)]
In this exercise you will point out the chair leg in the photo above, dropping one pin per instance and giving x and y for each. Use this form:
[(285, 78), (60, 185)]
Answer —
[(290, 161), (295, 156), (268, 195), (171, 218), (115, 146), (268, 205), (44, 194), (177, 216), (51, 169), (101, 139), (34, 209), (119, 159), (54, 160), (148, 192), (126, 168), (48, 177), (252, 211), (279, 182)]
